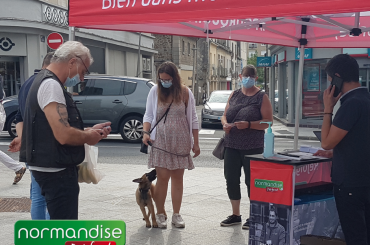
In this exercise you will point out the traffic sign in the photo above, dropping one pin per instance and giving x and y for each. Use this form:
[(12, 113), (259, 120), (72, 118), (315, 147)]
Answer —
[(54, 40)]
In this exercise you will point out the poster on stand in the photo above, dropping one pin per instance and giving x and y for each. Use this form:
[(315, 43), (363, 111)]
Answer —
[(319, 218), (269, 224)]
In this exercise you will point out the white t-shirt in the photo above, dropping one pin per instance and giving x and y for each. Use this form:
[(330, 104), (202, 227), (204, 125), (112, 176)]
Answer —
[(49, 91)]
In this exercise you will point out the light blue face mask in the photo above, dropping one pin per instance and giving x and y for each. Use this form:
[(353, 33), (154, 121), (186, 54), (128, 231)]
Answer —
[(166, 84), (248, 82), (70, 82)]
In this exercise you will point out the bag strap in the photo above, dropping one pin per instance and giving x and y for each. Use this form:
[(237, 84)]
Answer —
[(164, 115)]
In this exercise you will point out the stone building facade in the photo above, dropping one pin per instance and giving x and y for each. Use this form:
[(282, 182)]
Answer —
[(180, 51)]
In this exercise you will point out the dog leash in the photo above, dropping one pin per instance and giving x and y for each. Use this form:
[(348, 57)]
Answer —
[(184, 155)]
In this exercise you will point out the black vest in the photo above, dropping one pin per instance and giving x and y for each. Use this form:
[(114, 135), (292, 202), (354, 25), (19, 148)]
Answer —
[(39, 147)]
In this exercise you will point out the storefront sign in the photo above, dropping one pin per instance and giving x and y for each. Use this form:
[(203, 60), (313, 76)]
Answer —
[(263, 61), (307, 53), (12, 44), (356, 52), (54, 15), (281, 57)]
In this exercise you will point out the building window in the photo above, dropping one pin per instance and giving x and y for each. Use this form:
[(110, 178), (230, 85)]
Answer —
[(189, 51), (183, 47), (263, 45), (251, 54), (252, 45), (263, 53)]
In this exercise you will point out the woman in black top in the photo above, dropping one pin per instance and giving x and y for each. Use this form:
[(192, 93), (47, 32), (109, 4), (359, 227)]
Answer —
[(244, 135)]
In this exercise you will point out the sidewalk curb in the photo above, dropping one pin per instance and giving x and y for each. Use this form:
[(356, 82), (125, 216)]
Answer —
[(299, 137)]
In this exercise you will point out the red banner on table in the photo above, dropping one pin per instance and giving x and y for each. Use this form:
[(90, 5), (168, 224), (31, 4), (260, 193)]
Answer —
[(271, 183), (313, 173)]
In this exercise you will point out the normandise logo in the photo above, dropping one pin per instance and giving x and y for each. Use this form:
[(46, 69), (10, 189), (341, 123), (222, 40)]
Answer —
[(59, 232), (269, 184)]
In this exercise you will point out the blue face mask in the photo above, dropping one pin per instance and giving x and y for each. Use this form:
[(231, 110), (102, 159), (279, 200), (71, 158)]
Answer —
[(167, 84), (70, 82), (248, 82)]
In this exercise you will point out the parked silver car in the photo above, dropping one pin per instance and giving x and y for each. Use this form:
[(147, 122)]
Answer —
[(214, 108), (101, 98)]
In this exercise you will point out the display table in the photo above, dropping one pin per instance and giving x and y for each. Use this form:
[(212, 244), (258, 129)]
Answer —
[(290, 199)]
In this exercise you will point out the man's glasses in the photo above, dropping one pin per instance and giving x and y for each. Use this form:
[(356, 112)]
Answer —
[(87, 70)]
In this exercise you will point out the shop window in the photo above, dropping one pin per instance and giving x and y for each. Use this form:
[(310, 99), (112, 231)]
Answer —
[(315, 82)]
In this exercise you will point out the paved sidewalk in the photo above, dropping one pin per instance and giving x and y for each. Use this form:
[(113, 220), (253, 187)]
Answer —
[(205, 204), (282, 131)]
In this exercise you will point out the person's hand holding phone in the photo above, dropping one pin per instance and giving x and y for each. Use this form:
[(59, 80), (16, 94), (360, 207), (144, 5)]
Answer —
[(329, 100)]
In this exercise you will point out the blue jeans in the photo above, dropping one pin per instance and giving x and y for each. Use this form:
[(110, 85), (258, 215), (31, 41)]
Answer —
[(39, 210)]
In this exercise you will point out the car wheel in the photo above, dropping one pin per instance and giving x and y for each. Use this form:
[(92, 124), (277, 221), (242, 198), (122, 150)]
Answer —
[(11, 127), (132, 129)]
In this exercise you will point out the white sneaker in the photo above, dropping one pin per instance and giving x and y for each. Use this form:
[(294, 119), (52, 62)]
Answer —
[(161, 220), (178, 221)]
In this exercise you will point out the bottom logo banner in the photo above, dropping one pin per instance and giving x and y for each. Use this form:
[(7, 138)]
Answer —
[(70, 232)]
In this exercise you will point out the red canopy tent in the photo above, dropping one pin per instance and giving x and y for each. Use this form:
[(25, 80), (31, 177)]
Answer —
[(299, 23)]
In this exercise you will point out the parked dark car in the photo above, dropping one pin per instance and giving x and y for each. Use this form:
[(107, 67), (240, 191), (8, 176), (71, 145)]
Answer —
[(101, 98)]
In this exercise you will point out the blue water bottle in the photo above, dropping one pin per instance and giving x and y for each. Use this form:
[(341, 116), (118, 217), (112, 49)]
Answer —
[(269, 142)]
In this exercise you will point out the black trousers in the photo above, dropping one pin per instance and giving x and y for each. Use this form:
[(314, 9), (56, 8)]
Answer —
[(234, 161), (353, 204), (61, 191)]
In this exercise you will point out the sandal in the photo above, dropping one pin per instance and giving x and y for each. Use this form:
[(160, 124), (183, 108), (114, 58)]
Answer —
[(18, 175)]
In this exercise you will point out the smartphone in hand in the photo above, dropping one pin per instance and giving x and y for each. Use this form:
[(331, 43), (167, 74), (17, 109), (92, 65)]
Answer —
[(338, 83)]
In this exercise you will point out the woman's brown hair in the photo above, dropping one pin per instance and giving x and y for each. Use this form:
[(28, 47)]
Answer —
[(249, 71), (175, 90)]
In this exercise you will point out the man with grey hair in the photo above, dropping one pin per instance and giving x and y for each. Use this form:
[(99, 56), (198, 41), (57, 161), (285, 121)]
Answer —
[(53, 135)]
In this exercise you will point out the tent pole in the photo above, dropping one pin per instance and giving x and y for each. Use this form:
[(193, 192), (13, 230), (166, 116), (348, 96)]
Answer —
[(71, 37), (208, 66), (71, 33), (298, 96)]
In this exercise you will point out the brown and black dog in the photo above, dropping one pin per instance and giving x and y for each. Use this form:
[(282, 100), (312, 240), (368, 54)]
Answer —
[(144, 195)]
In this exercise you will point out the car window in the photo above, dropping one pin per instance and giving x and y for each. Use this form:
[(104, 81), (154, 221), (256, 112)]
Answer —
[(219, 98), (105, 87), (83, 87), (129, 88)]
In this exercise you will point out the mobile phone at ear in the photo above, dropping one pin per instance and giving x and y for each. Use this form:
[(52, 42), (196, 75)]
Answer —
[(338, 83)]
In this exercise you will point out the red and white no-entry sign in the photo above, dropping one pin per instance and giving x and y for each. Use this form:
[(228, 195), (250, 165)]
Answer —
[(54, 40)]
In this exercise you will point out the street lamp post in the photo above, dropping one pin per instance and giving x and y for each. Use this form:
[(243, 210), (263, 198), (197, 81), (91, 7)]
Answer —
[(236, 73), (218, 73), (194, 64)]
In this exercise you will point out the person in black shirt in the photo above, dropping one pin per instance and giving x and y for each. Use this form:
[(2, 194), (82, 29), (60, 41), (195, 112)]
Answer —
[(348, 136)]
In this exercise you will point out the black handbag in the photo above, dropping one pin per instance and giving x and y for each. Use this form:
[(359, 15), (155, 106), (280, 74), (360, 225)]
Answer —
[(219, 151), (144, 147)]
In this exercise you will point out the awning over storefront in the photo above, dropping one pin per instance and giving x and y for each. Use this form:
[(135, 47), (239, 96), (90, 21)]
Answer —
[(264, 21)]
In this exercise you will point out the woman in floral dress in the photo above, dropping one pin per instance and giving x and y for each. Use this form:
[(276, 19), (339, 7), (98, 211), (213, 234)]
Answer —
[(175, 136)]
